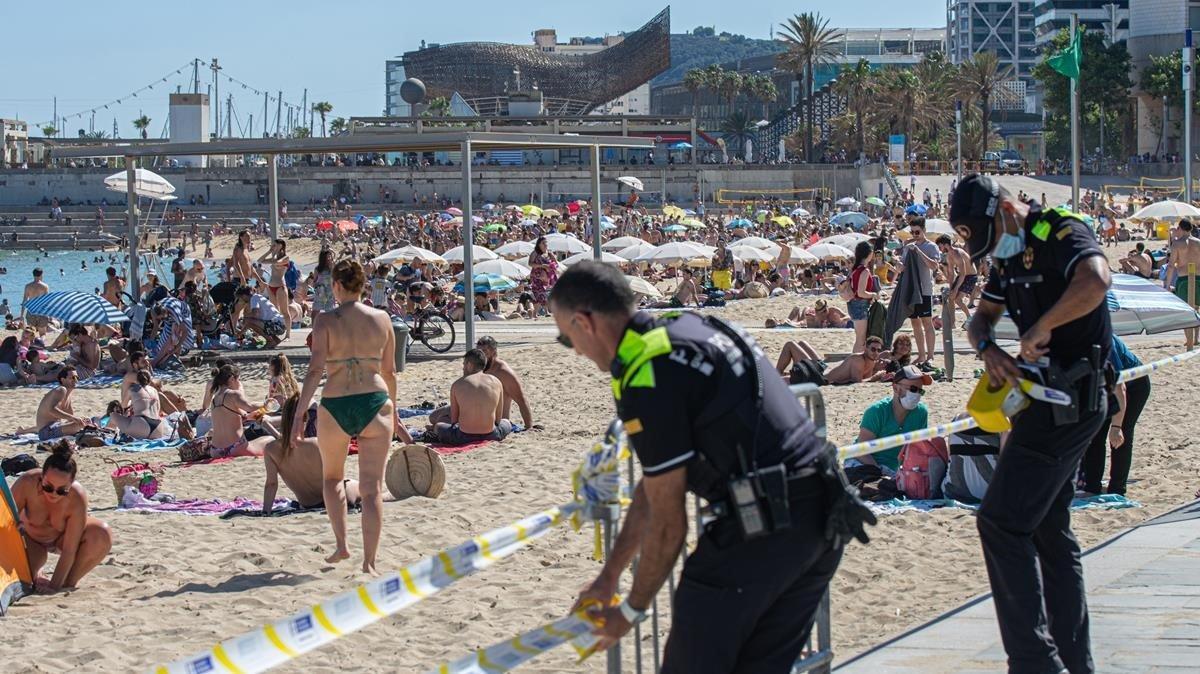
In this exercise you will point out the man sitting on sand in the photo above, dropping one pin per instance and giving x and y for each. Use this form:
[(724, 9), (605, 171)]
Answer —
[(687, 293), (56, 416), (476, 406), (52, 511), (513, 391), (1138, 262), (821, 316), (299, 464), (901, 412)]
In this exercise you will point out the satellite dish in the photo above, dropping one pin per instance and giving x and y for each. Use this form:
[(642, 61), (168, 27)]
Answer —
[(412, 91)]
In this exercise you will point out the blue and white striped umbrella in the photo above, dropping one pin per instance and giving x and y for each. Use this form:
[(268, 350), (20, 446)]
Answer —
[(72, 306), (1137, 306)]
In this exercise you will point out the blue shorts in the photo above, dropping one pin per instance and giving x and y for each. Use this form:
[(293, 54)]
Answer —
[(857, 308)]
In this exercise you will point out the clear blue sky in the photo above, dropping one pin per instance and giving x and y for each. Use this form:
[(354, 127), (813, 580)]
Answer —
[(80, 52)]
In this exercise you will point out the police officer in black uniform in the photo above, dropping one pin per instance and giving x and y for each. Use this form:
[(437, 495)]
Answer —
[(705, 412), (1051, 275)]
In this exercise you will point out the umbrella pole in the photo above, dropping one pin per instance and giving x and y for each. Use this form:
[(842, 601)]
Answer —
[(596, 202), (468, 250), (273, 194), (131, 280)]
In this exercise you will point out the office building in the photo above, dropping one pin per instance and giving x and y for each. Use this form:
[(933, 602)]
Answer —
[(1005, 27), (1156, 28), (1110, 17)]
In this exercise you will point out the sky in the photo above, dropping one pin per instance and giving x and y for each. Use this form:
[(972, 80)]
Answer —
[(89, 54)]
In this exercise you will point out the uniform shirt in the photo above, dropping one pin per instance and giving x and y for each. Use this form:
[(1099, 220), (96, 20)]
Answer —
[(879, 419), (683, 412), (1030, 283)]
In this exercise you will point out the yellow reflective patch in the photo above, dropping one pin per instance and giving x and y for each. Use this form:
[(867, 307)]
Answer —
[(633, 426), (1062, 233)]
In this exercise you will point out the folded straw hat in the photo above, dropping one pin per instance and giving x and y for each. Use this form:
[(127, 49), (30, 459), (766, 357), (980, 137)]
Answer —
[(415, 470)]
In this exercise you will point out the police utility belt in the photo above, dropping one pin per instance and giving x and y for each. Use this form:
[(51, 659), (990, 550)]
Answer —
[(1086, 382)]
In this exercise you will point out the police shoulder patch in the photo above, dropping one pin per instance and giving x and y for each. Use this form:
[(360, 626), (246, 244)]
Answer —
[(1062, 233)]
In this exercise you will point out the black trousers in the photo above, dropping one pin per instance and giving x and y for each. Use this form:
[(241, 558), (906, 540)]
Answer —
[(1032, 557), (750, 607), (1137, 392)]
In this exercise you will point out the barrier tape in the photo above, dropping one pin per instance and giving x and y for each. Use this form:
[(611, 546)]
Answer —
[(575, 629), (596, 482), (1143, 370)]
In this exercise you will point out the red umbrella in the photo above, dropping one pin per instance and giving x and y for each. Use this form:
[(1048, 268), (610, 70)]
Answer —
[(347, 225), (324, 225)]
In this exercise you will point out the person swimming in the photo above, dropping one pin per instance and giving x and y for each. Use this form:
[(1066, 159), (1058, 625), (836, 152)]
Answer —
[(356, 402)]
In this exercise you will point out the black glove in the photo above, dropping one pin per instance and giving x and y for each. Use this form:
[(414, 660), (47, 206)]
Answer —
[(848, 514)]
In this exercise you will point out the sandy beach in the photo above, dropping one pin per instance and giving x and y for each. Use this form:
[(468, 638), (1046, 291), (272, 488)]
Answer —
[(175, 584)]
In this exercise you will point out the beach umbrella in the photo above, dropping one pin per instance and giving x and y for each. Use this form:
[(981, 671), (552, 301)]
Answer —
[(454, 211), (674, 252), (408, 254), (916, 209), (512, 207), (529, 223), (478, 254), (801, 256), (1166, 210), (939, 226), (530, 209), (757, 242), (643, 287), (621, 242), (681, 145), (637, 250), (850, 218), (515, 249), (347, 226), (489, 206), (631, 182), (495, 227), (876, 201), (604, 257), (846, 201), (72, 306), (800, 213), (324, 225), (783, 221), (831, 251), (1136, 306), (146, 183), (672, 212), (693, 223), (740, 222), (844, 240), (674, 228), (606, 226), (749, 254), (561, 243), (445, 217), (292, 226), (502, 267), (483, 283), (551, 213)]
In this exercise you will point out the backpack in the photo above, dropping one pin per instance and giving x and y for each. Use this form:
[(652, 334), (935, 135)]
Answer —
[(15, 465), (291, 277), (922, 467), (973, 457), (845, 291)]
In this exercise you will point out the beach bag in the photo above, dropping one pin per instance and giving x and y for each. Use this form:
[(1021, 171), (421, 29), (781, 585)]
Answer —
[(807, 372), (973, 457), (194, 450), (15, 465), (147, 479), (922, 467), (415, 470), (876, 320)]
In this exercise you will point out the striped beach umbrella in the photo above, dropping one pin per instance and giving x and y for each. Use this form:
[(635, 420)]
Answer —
[(72, 306), (1137, 306)]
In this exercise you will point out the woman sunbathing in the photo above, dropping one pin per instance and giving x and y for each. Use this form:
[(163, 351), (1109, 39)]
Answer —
[(229, 409), (298, 462), (144, 420)]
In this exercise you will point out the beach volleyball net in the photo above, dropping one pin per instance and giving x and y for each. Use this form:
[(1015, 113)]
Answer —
[(730, 197)]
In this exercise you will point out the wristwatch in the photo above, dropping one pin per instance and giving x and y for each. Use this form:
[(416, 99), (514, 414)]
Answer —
[(631, 614), (983, 345)]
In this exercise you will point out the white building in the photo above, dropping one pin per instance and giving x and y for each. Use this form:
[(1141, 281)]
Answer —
[(636, 102), (14, 152), (1005, 27), (1110, 17), (189, 124)]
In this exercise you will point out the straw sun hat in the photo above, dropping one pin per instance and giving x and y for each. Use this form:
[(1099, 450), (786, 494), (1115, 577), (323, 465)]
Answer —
[(415, 470)]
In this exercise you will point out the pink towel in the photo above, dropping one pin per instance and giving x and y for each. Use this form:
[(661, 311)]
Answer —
[(201, 506)]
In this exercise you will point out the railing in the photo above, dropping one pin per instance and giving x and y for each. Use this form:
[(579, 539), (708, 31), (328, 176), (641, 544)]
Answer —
[(647, 654)]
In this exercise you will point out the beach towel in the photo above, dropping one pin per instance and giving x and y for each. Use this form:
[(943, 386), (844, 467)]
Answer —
[(419, 435), (149, 445), (897, 505), (200, 507), (207, 462), (288, 508), (409, 412), (103, 381), (906, 296)]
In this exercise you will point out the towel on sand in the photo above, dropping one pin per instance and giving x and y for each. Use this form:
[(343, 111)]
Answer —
[(419, 435), (897, 505), (202, 506), (102, 381), (149, 445)]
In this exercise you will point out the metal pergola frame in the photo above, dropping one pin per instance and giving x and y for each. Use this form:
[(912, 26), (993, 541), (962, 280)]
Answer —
[(467, 142)]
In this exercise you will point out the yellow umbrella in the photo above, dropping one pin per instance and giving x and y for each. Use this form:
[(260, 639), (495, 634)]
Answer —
[(783, 220), (673, 211), (551, 213), (693, 222), (530, 209)]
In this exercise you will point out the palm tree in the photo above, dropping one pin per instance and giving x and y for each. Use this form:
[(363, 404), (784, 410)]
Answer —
[(900, 91), (713, 75), (731, 86), (322, 108), (978, 79), (141, 124), (738, 127), (301, 132), (694, 81), (49, 130), (809, 42), (763, 89), (338, 125), (855, 84), (95, 135)]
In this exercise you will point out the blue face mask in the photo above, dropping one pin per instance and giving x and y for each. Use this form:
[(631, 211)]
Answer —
[(1010, 245)]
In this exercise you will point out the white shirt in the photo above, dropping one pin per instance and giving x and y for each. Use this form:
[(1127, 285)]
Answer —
[(262, 309)]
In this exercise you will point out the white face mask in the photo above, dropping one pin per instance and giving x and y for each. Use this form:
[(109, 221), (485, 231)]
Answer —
[(1009, 245), (910, 400)]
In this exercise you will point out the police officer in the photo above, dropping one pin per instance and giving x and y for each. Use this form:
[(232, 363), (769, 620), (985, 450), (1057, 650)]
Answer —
[(705, 412), (1051, 275)]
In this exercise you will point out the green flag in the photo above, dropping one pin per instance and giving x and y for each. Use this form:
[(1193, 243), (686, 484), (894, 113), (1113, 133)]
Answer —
[(1067, 61)]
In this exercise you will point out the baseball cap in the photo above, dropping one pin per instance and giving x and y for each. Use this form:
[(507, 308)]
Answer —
[(912, 372), (973, 208)]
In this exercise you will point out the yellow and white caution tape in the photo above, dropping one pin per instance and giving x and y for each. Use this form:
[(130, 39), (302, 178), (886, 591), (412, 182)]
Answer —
[(879, 444), (596, 482), (1143, 370), (575, 629)]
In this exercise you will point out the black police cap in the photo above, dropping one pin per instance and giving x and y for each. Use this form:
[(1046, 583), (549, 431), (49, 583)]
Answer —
[(973, 206)]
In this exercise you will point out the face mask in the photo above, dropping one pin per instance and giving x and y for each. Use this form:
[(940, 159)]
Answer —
[(910, 400), (1010, 245)]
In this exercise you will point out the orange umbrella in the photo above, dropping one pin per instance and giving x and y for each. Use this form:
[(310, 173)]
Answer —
[(347, 225)]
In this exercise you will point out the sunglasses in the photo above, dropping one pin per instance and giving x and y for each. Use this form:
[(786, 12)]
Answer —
[(61, 491), (918, 390)]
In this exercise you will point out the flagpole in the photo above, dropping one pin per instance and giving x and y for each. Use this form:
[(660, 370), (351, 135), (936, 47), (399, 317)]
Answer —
[(1187, 116), (1075, 123)]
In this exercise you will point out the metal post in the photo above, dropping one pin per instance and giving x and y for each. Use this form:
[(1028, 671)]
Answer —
[(596, 211), (958, 133), (948, 337), (273, 193), (132, 284), (1075, 124), (1188, 63), (468, 244)]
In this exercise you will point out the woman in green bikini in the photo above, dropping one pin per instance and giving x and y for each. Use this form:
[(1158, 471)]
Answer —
[(355, 346)]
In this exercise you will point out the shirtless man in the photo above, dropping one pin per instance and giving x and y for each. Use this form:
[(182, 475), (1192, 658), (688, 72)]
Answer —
[(85, 352), (35, 288), (687, 292), (52, 511), (513, 391), (56, 416), (962, 274), (476, 406), (298, 462), (113, 287), (856, 368), (1185, 251), (1138, 262)]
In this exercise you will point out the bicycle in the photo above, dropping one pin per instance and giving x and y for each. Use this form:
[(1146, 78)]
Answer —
[(432, 328)]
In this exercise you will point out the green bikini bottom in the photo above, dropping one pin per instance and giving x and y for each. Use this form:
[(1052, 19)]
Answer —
[(354, 412)]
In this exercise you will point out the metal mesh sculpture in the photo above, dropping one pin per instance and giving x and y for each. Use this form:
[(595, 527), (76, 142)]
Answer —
[(481, 70)]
